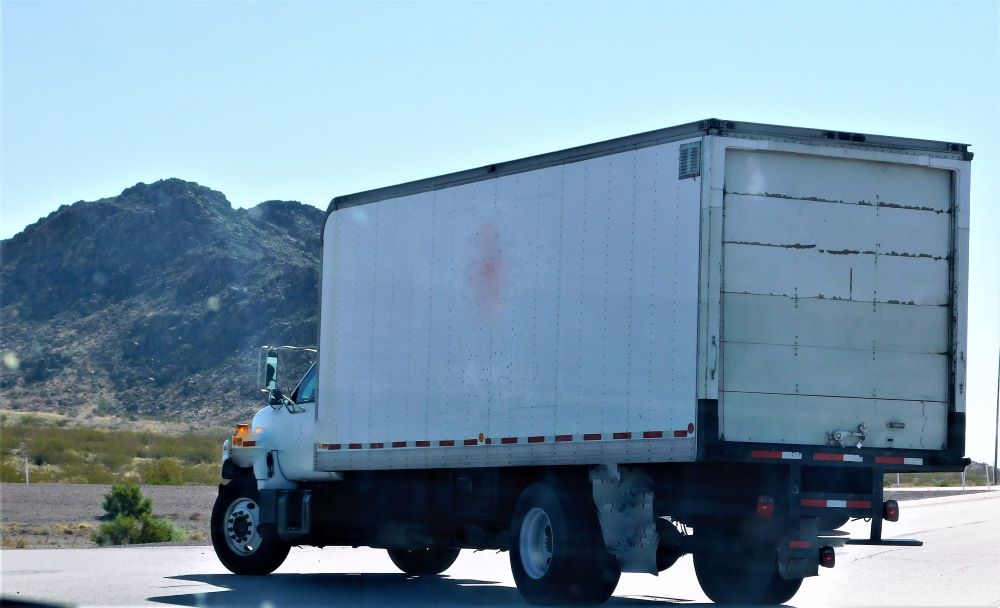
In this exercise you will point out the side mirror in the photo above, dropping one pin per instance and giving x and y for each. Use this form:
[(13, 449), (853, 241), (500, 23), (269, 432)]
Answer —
[(275, 398), (268, 370)]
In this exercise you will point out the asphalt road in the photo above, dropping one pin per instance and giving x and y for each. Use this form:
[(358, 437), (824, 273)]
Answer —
[(958, 566)]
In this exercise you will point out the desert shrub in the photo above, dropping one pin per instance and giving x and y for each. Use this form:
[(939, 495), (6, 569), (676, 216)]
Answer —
[(127, 500), (120, 531), (162, 472), (84, 472), (12, 471), (125, 530), (87, 455), (206, 474), (133, 521)]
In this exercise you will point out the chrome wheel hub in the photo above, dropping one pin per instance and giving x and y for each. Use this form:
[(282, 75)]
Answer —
[(536, 543), (242, 518)]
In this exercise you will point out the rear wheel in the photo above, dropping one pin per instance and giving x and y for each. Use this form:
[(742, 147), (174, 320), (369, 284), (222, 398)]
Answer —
[(749, 577), (557, 553), (423, 562), (241, 543)]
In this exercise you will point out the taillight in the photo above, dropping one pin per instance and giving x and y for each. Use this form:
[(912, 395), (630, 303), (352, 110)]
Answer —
[(827, 558), (890, 510), (765, 507)]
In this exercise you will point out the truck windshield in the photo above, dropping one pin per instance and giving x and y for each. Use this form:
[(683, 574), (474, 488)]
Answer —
[(305, 392)]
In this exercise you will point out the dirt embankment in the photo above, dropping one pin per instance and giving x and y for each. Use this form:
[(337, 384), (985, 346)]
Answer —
[(53, 515)]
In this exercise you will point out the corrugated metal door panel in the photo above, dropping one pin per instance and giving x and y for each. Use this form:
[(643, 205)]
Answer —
[(838, 180), (836, 295), (811, 370), (805, 419), (808, 273), (874, 230), (834, 323)]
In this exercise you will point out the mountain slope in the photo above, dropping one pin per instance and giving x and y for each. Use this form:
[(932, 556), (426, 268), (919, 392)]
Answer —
[(152, 303)]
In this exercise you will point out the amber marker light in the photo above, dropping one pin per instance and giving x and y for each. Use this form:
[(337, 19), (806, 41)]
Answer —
[(241, 433)]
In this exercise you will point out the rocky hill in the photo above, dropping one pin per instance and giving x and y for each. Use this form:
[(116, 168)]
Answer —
[(152, 303)]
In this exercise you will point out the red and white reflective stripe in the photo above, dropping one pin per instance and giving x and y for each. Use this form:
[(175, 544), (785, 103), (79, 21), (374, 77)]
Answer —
[(799, 544), (899, 460), (837, 457), (776, 455), (828, 503), (531, 439)]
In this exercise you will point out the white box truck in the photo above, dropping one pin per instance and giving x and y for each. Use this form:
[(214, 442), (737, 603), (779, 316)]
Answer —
[(712, 339)]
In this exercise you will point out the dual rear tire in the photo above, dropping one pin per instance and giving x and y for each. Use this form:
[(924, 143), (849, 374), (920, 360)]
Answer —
[(423, 562), (557, 552), (747, 577)]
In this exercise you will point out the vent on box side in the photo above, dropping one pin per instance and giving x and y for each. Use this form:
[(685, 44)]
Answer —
[(690, 165)]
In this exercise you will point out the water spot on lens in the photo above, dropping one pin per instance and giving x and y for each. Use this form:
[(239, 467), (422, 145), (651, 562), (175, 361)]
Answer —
[(100, 278), (213, 303), (360, 215), (11, 361)]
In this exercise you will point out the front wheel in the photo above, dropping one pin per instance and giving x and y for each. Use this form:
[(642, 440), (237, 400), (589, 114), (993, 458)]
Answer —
[(557, 553), (744, 578), (423, 562), (240, 542)]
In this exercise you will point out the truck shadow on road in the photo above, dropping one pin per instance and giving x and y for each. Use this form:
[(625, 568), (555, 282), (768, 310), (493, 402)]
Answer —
[(280, 590)]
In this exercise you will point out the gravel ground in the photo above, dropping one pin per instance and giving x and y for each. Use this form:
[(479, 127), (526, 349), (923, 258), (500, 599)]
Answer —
[(55, 515)]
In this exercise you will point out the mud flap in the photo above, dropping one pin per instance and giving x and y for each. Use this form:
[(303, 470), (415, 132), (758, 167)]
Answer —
[(624, 500), (798, 553)]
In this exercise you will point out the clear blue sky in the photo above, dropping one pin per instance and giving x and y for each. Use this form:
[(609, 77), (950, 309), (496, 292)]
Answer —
[(310, 100)]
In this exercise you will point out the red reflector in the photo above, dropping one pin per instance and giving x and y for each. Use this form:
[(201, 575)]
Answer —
[(859, 504), (798, 544), (423, 444), (354, 446), (399, 444), (333, 446), (446, 443), (690, 427), (591, 436), (765, 454), (652, 435), (564, 438), (814, 502), (377, 446), (889, 460), (823, 456), (471, 442), (249, 444), (827, 557), (507, 440), (536, 439), (765, 507), (890, 510), (680, 433), (622, 435)]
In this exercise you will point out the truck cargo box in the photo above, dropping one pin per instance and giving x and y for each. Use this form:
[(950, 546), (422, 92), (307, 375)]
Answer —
[(706, 291)]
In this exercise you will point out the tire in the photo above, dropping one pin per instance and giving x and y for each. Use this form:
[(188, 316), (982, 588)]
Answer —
[(833, 523), (241, 544), (750, 577), (667, 552), (423, 562), (557, 553)]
